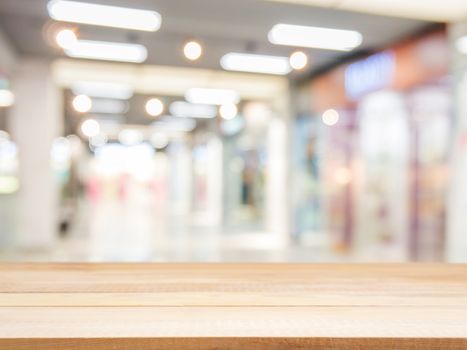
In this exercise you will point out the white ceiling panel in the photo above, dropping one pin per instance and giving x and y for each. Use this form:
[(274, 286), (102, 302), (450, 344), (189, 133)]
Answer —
[(221, 26), (431, 10)]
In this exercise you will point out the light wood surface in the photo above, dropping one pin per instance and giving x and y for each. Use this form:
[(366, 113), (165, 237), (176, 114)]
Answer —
[(233, 306)]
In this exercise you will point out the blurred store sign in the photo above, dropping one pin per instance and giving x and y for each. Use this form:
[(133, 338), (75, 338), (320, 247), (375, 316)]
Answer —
[(400, 67), (370, 74)]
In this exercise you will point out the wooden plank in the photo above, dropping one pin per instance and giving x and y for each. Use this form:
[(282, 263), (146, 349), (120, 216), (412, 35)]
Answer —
[(254, 298), (235, 284), (215, 343), (326, 321), (233, 306)]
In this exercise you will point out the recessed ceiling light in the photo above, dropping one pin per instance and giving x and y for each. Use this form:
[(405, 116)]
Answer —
[(82, 103), (315, 37), (103, 15), (298, 60), (191, 110), (192, 50), (90, 128), (228, 111), (212, 96), (154, 107), (109, 51), (66, 38), (330, 117), (243, 62)]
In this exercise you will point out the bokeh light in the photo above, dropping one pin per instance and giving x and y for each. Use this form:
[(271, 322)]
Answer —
[(82, 103)]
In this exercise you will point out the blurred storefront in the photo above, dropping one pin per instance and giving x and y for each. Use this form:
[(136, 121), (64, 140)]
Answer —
[(9, 182), (372, 149), (457, 200)]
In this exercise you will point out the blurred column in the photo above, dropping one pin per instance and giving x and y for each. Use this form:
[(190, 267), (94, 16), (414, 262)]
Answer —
[(214, 181), (180, 179), (456, 243), (35, 121), (278, 187)]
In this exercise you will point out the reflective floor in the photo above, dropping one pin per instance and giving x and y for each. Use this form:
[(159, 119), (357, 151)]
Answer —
[(138, 231), (142, 227), (183, 247)]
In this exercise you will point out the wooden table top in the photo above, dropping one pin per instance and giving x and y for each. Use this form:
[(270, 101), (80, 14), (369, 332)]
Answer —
[(233, 306)]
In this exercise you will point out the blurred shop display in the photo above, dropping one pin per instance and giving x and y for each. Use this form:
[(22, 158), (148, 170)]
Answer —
[(383, 126), (204, 166), (9, 186), (307, 195), (430, 108), (383, 194), (9, 181), (456, 241), (338, 155), (245, 160)]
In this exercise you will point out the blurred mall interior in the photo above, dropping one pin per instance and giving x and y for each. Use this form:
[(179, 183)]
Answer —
[(246, 130)]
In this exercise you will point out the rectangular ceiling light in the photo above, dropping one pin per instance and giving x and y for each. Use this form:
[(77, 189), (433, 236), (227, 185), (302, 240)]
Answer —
[(103, 15), (212, 96), (102, 90), (314, 37), (243, 62), (190, 110), (108, 51)]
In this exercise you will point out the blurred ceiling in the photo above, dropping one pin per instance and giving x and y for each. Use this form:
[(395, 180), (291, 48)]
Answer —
[(167, 83), (220, 25), (431, 10), (166, 80)]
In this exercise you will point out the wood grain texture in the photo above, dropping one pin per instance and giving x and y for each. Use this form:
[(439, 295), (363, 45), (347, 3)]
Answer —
[(233, 306)]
